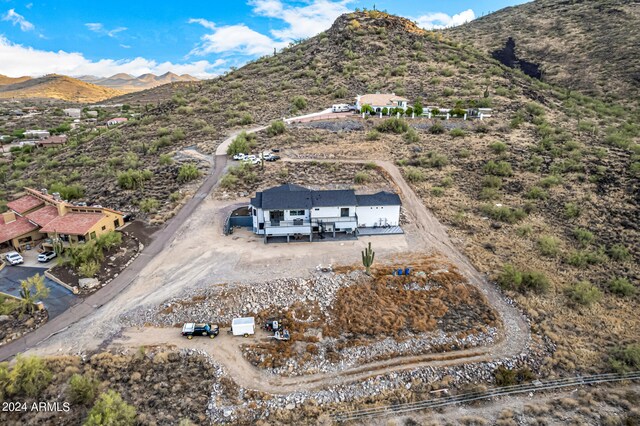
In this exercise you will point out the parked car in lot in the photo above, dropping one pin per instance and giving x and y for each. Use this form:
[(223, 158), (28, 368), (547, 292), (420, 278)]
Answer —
[(13, 258), (340, 108), (128, 217), (271, 157), (239, 156), (46, 256), (191, 329)]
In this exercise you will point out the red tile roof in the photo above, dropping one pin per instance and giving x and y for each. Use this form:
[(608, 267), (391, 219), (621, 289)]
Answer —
[(24, 204), (44, 215), (14, 229), (72, 223)]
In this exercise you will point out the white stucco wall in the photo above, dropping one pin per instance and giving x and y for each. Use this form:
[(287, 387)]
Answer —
[(320, 212), (371, 215)]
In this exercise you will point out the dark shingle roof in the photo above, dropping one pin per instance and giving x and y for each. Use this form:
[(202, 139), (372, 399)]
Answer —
[(379, 199), (333, 198), (290, 196)]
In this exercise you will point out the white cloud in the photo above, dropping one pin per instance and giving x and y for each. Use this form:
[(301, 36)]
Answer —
[(238, 39), (440, 20), (303, 21), (99, 28), (19, 60), (17, 19)]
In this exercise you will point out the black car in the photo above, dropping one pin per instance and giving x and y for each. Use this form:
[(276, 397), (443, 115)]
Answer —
[(191, 329), (128, 217), (272, 158)]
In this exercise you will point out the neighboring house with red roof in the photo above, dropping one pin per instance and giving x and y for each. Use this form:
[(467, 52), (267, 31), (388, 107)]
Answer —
[(52, 141), (39, 216)]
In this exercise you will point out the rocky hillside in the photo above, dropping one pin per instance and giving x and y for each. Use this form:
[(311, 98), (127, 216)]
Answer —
[(4, 80), (57, 87), (590, 46)]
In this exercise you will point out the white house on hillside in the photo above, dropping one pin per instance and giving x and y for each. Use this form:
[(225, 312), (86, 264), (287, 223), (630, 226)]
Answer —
[(378, 101), (292, 210)]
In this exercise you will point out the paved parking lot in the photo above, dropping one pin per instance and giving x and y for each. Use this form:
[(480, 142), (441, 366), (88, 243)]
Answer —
[(59, 300)]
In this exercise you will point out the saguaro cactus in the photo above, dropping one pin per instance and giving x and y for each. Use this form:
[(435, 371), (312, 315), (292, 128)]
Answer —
[(367, 258)]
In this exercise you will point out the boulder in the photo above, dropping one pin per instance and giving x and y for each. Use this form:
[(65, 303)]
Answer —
[(4, 318), (88, 283)]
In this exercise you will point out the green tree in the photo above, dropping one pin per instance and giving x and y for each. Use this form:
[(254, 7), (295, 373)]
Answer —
[(418, 108), (111, 409), (366, 109), (32, 290), (82, 389), (29, 377)]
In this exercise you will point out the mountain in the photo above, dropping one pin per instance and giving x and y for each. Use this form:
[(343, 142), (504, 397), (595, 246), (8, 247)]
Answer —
[(129, 83), (55, 86), (4, 80), (591, 46)]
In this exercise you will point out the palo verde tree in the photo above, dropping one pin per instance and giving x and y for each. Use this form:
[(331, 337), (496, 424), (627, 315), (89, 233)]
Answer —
[(368, 256)]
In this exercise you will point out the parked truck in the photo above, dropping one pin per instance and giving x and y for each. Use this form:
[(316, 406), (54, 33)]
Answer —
[(243, 326)]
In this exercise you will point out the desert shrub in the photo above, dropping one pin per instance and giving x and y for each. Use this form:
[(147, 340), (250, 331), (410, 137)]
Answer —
[(619, 252), (625, 359), (500, 168), (67, 192), (82, 389), (89, 269), (133, 179), (299, 102), (245, 119), (361, 177), (582, 258), (550, 181), (524, 230), (510, 376), (583, 293), (534, 109), (149, 205), (4, 379), (437, 191), (373, 135), (187, 173), (583, 236), (370, 166), (457, 133), (276, 128), (414, 174), (572, 210), (436, 129), (411, 135), (28, 377), (492, 182), (165, 159), (243, 143), (177, 135), (536, 193), (549, 246), (618, 139), (393, 125), (498, 147), (110, 409), (229, 181), (622, 287), (503, 213), (446, 182), (340, 92), (489, 194), (433, 159), (513, 279)]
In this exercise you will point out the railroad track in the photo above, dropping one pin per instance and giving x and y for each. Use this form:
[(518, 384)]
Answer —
[(395, 409)]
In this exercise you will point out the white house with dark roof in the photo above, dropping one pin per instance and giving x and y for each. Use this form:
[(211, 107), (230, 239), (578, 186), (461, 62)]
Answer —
[(292, 211)]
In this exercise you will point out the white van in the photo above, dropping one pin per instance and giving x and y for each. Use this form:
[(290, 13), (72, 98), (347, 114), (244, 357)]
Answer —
[(340, 108)]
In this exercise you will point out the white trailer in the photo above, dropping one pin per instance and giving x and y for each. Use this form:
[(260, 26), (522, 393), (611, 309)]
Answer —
[(243, 326)]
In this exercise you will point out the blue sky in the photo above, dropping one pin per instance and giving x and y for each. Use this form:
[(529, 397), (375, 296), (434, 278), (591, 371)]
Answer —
[(203, 38)]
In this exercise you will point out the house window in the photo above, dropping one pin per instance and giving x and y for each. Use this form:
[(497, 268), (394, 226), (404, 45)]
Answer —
[(104, 227), (93, 235), (261, 226), (81, 239), (296, 212), (344, 212), (253, 212)]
